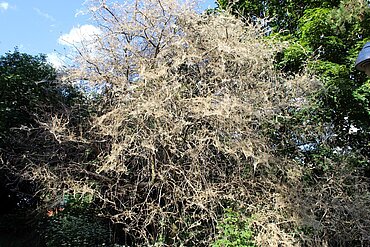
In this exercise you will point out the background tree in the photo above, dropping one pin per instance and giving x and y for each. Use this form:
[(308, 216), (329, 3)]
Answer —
[(286, 14), (326, 36), (32, 99), (25, 89), (330, 137), (25, 81)]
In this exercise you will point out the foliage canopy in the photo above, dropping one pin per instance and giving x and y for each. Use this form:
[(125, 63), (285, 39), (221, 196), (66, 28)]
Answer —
[(24, 81)]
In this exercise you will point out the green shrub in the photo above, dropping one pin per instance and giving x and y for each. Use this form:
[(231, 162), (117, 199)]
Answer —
[(68, 229), (234, 231)]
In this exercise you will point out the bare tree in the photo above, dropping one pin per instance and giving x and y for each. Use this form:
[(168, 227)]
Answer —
[(182, 138)]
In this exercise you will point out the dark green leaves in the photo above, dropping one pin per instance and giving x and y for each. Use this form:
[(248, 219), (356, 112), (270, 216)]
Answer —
[(25, 83)]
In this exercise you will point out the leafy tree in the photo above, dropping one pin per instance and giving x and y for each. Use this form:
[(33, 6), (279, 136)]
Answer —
[(32, 93), (31, 100), (330, 138), (25, 82), (286, 14), (326, 36)]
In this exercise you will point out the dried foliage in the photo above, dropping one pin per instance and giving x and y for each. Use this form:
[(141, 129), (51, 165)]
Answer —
[(182, 136), (190, 93)]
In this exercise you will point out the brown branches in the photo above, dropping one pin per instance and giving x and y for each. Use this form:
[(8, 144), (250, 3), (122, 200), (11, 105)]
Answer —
[(185, 141)]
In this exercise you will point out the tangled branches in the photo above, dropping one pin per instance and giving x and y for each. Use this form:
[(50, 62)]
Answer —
[(182, 136)]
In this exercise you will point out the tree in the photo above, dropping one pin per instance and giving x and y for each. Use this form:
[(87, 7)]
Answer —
[(26, 89), (181, 138), (26, 86), (31, 97), (191, 146), (285, 14), (330, 137), (326, 36)]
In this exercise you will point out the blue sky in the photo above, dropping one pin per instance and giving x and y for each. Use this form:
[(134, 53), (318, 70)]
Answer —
[(35, 26)]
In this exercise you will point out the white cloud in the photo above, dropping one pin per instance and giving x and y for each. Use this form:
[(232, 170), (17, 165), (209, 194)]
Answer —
[(57, 60), (4, 5), (45, 15), (79, 35)]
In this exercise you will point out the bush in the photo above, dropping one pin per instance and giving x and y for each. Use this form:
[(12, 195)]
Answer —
[(234, 231)]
